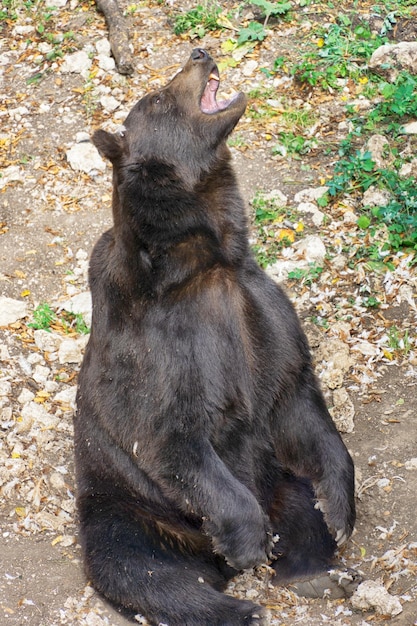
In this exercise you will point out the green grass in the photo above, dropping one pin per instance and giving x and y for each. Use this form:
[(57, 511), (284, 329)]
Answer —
[(44, 317)]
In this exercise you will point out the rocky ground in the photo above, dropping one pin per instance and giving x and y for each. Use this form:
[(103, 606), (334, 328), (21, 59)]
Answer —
[(57, 83)]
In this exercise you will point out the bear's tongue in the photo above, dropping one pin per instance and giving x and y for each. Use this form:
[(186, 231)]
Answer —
[(208, 102)]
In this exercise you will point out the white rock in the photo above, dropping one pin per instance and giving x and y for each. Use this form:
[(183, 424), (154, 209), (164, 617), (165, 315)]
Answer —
[(82, 136), (67, 396), (280, 269), (4, 352), (379, 147), (103, 46), (47, 341), (376, 197), (366, 348), (70, 352), (38, 415), (349, 217), (373, 595), (11, 310), (410, 128), (41, 374), (57, 481), (276, 196), (390, 59), (109, 103), (76, 63), (80, 303), (84, 157), (311, 248), (310, 195), (10, 174), (411, 464), (5, 388), (317, 216), (106, 63), (249, 67), (55, 3), (25, 396), (409, 169)]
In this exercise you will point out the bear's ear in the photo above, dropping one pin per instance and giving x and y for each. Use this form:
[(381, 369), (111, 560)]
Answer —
[(109, 145)]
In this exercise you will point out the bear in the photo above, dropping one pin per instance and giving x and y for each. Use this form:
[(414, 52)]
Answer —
[(203, 444)]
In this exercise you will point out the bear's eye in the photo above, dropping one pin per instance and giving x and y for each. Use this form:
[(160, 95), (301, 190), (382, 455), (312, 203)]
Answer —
[(157, 99)]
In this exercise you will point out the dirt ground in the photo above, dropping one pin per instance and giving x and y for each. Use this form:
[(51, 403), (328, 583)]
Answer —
[(50, 217)]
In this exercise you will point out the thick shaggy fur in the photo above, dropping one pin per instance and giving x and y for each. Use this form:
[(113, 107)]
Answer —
[(202, 438)]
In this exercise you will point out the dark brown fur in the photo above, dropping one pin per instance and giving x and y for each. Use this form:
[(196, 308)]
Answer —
[(201, 430)]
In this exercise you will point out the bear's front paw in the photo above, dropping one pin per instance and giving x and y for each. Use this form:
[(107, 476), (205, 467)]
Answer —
[(244, 542)]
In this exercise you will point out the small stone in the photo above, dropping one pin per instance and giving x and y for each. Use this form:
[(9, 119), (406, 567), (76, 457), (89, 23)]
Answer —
[(70, 352), (379, 147), (389, 59), (84, 157), (5, 388), (4, 352), (25, 396), (39, 416), (106, 63), (76, 63), (249, 67), (317, 216), (67, 396), (103, 46), (41, 374), (109, 103), (410, 128), (311, 248), (47, 341), (11, 310), (310, 194), (411, 464), (376, 197), (373, 595)]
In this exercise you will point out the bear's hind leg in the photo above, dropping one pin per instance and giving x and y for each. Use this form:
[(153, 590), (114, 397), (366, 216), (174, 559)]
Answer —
[(305, 549), (145, 571)]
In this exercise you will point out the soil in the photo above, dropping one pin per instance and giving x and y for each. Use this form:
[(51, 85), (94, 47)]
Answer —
[(50, 217)]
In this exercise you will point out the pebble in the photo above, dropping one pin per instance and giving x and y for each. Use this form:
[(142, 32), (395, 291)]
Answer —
[(76, 63), (11, 310), (310, 194), (47, 341), (373, 595), (311, 248), (317, 216), (84, 157), (70, 352)]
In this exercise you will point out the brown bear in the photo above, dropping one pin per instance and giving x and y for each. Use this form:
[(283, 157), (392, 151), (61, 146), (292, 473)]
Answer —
[(203, 443)]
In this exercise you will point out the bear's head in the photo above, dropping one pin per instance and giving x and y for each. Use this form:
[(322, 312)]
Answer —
[(182, 126)]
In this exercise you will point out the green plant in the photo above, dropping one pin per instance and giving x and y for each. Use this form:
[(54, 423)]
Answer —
[(371, 302), (74, 321), (294, 144), (399, 342), (306, 275), (255, 31), (43, 317), (199, 20), (341, 52)]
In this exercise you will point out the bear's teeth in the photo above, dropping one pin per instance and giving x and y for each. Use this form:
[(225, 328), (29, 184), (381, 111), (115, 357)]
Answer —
[(214, 77)]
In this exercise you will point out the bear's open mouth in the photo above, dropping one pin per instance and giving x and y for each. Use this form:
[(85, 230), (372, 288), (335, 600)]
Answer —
[(208, 102)]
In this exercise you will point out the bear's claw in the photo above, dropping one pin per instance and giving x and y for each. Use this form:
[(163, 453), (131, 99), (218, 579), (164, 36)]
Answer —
[(333, 584)]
